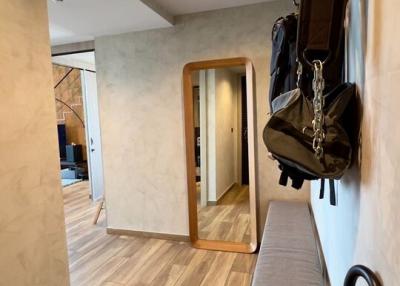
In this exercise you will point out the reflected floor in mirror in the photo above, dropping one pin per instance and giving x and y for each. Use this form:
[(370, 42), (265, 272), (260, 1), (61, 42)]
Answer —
[(229, 220)]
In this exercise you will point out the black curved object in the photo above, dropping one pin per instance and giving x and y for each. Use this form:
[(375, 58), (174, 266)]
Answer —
[(358, 271), (64, 103), (73, 110), (64, 77)]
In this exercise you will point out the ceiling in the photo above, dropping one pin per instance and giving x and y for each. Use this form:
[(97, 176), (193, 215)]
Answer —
[(72, 21), (180, 7)]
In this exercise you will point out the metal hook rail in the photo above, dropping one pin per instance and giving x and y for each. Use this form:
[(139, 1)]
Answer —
[(362, 271)]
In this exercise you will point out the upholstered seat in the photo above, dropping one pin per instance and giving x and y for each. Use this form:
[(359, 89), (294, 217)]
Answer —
[(288, 253)]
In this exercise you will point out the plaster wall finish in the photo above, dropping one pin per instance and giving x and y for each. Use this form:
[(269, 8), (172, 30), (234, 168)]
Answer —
[(141, 111), (364, 227), (32, 230), (210, 126), (225, 114), (221, 105)]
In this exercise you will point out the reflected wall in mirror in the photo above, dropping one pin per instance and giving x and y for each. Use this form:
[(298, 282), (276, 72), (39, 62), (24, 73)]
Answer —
[(220, 154)]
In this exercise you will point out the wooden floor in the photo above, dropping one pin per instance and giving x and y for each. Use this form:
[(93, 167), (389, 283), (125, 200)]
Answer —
[(229, 220), (97, 258)]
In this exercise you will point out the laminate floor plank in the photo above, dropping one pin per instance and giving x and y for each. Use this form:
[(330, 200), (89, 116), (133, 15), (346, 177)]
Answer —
[(170, 275), (229, 219), (219, 270), (239, 279), (197, 269), (100, 259)]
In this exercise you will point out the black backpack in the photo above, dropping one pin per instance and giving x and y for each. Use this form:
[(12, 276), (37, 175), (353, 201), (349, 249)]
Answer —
[(283, 65), (283, 71)]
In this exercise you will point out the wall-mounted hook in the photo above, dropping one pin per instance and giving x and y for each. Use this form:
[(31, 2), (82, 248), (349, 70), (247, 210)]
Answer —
[(295, 3)]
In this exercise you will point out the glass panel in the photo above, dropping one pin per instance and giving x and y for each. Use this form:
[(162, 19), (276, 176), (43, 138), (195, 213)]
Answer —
[(221, 154)]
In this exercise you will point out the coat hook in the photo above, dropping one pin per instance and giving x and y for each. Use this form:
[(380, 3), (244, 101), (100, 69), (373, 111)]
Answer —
[(295, 3)]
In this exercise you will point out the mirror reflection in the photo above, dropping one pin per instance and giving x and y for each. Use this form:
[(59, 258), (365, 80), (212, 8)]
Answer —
[(221, 152)]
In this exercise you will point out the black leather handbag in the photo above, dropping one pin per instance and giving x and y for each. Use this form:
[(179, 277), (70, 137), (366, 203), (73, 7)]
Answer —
[(289, 134)]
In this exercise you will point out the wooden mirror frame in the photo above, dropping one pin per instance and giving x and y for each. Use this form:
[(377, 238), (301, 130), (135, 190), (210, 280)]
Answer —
[(190, 155)]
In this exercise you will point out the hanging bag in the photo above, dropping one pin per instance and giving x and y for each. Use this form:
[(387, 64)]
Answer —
[(309, 132), (308, 137), (289, 134)]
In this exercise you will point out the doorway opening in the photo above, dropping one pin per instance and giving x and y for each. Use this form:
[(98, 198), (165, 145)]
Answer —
[(77, 113), (75, 89)]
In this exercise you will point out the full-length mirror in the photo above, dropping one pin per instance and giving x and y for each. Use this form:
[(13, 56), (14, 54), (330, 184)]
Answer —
[(220, 154)]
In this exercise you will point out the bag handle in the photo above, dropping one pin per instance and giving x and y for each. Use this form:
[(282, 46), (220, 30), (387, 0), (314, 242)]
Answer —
[(320, 30), (362, 271)]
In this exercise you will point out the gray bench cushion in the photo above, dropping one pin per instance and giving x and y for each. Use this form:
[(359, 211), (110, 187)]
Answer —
[(288, 253)]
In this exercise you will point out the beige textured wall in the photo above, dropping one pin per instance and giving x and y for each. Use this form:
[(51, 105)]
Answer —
[(207, 90), (32, 231), (141, 110), (221, 104), (364, 227), (225, 115)]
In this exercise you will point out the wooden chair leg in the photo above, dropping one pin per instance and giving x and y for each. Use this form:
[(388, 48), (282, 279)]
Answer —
[(98, 211)]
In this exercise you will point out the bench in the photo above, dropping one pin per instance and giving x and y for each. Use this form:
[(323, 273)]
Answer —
[(288, 252)]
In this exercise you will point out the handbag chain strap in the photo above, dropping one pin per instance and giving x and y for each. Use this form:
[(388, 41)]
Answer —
[(318, 86)]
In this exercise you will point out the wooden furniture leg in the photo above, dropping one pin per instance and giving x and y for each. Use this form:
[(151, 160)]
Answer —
[(98, 211)]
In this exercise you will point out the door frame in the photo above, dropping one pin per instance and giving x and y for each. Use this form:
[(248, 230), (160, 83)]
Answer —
[(244, 160), (89, 140)]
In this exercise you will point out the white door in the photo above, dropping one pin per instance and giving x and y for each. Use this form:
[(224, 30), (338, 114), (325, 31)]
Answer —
[(95, 163)]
